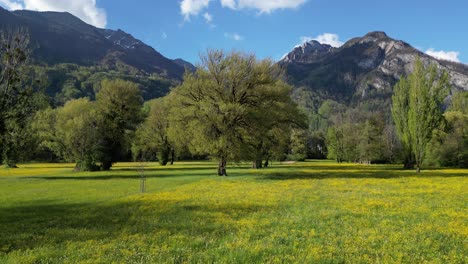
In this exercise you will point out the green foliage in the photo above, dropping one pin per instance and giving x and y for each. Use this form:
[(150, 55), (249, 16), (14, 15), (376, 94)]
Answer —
[(400, 114), (335, 143), (118, 104), (63, 82), (417, 107), (71, 132), (16, 101), (298, 145), (449, 147), (231, 107), (357, 137), (93, 132), (152, 136), (459, 102)]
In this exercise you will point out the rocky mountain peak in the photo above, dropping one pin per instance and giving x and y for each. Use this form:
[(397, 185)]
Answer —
[(121, 38), (364, 68), (376, 34), (307, 52)]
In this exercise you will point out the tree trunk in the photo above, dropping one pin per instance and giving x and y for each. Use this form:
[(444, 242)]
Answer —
[(409, 162), (106, 165), (418, 170), (10, 156), (172, 156), (163, 156), (267, 163), (222, 167), (257, 164)]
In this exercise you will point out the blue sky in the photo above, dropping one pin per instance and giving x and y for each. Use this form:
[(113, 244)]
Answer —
[(271, 28)]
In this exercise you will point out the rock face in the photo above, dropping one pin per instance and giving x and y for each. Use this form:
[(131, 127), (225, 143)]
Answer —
[(63, 38), (363, 69), (308, 52)]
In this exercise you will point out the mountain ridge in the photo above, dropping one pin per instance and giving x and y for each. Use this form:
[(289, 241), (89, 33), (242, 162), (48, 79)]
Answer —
[(363, 68), (60, 37)]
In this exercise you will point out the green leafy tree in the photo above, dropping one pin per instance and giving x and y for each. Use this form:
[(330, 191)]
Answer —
[(449, 147), (298, 145), (421, 112), (274, 118), (152, 135), (335, 140), (15, 97), (400, 114), (218, 108), (118, 106), (71, 132), (370, 142), (459, 102)]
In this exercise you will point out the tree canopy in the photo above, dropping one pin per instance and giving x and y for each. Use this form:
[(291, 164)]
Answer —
[(229, 105), (417, 107)]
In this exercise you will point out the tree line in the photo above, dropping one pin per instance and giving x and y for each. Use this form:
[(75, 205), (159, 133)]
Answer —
[(233, 108)]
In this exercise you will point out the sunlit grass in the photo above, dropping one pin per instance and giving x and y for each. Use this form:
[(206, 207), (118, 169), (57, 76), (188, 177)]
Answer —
[(304, 212)]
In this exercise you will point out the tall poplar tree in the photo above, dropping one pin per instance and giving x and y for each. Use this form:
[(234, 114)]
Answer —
[(417, 107)]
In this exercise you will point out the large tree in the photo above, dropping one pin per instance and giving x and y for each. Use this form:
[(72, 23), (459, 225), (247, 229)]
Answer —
[(417, 107), (15, 96), (118, 105), (274, 121), (152, 135), (400, 114), (71, 132), (221, 108), (449, 147)]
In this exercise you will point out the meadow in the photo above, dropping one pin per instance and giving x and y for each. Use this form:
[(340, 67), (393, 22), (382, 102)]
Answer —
[(308, 212)]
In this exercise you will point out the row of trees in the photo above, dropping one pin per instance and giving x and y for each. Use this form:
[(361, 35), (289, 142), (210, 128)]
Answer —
[(362, 138), (233, 108), (419, 131), (88, 132)]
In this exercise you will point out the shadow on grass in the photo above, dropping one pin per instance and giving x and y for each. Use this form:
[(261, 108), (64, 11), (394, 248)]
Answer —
[(307, 170), (371, 173), (47, 223), (149, 174)]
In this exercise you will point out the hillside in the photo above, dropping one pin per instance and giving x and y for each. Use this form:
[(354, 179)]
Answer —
[(73, 57), (362, 71), (63, 38)]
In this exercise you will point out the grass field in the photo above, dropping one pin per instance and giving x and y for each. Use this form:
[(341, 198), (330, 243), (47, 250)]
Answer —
[(311, 212)]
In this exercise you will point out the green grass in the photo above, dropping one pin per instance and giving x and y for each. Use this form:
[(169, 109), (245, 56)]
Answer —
[(311, 212)]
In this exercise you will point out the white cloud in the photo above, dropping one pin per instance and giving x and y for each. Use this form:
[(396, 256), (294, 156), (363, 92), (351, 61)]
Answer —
[(192, 7), (233, 36), (163, 35), (229, 3), (86, 10), (208, 17), (264, 6), (11, 5), (444, 55), (326, 38)]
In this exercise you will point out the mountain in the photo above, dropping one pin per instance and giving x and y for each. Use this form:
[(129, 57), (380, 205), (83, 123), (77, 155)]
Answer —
[(63, 38), (364, 69), (185, 64), (308, 52)]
